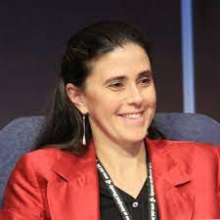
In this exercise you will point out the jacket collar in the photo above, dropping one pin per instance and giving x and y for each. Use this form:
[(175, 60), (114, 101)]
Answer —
[(76, 195), (171, 181), (164, 163), (71, 167), (81, 185)]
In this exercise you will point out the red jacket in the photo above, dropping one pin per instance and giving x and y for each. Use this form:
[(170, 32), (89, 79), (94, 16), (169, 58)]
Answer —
[(52, 184)]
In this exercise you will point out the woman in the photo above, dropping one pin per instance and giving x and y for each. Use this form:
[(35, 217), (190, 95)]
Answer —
[(95, 161)]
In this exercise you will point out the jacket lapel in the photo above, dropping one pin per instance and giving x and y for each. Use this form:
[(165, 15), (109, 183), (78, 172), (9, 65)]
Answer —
[(171, 183), (76, 195)]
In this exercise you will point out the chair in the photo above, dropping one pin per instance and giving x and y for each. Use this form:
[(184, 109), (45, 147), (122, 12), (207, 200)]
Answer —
[(18, 136)]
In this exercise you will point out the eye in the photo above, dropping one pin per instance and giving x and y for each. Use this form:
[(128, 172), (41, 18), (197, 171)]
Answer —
[(145, 81), (116, 85)]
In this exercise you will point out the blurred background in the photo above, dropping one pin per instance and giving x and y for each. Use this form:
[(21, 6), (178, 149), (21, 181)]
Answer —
[(33, 35)]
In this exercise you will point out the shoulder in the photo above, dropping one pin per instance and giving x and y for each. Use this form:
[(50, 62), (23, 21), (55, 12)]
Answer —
[(185, 146), (42, 157), (194, 148), (41, 162), (200, 160), (188, 151), (27, 185)]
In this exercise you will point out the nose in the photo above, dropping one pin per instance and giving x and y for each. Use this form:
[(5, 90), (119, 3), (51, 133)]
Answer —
[(134, 96)]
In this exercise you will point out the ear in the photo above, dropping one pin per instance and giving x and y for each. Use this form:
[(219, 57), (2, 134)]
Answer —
[(76, 97)]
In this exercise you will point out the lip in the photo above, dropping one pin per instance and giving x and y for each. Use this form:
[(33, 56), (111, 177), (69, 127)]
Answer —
[(138, 120), (129, 113)]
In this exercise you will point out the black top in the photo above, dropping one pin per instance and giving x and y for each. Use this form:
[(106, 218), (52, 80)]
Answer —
[(137, 207)]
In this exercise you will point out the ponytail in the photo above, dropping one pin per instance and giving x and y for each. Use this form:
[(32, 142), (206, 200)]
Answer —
[(63, 127)]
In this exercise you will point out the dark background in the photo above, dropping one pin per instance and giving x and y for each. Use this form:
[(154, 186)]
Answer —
[(33, 36)]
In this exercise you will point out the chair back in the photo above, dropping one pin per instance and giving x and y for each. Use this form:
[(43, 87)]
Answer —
[(19, 135)]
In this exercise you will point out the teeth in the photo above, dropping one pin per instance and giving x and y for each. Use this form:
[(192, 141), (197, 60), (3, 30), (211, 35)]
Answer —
[(132, 116)]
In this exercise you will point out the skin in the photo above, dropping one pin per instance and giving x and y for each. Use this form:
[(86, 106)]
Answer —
[(120, 100)]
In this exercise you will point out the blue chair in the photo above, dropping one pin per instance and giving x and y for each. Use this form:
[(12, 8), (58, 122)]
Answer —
[(18, 137)]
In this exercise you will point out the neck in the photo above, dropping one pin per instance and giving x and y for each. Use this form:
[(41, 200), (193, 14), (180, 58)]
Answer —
[(125, 164), (121, 159)]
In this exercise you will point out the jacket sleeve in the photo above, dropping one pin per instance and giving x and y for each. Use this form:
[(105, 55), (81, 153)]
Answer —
[(22, 198), (218, 153)]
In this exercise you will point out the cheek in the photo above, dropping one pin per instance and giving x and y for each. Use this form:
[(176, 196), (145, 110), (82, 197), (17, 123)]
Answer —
[(100, 103), (150, 98), (153, 101), (150, 101)]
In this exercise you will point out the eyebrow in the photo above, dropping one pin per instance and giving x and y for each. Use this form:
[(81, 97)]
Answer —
[(122, 77)]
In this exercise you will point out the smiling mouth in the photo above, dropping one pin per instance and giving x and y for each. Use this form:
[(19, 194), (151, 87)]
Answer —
[(132, 115)]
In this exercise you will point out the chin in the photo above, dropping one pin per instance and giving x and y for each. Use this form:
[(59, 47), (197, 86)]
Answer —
[(135, 138)]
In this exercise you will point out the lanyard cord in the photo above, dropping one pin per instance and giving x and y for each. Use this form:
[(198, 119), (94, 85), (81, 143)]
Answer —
[(152, 204)]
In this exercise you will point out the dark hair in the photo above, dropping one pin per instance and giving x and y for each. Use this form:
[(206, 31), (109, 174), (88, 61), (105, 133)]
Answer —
[(64, 126)]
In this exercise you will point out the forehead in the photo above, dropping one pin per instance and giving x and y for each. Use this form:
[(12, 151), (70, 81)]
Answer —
[(129, 60)]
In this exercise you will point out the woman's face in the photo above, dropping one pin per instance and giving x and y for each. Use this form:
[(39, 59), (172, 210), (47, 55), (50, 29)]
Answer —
[(120, 96)]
